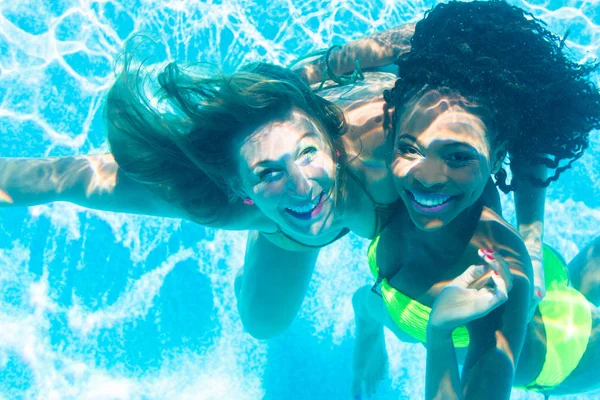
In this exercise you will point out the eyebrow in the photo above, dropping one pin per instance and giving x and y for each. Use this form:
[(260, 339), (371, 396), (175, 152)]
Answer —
[(407, 136), (448, 143), (271, 161), (461, 144)]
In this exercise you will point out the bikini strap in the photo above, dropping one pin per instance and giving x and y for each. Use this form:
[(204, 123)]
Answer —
[(360, 185), (342, 233)]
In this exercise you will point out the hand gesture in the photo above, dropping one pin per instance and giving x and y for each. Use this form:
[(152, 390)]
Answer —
[(473, 294)]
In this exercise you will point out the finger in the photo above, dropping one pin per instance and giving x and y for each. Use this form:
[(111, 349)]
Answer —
[(539, 293), (486, 300), (539, 282), (473, 277), (501, 286), (497, 263)]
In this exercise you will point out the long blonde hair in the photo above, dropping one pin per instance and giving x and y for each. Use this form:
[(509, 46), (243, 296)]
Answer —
[(175, 131)]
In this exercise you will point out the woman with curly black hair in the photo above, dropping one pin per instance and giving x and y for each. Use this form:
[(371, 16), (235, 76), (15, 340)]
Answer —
[(496, 60), (481, 79), (548, 103)]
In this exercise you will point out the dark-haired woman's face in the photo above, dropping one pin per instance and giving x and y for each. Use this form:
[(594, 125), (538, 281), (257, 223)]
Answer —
[(288, 171), (441, 161)]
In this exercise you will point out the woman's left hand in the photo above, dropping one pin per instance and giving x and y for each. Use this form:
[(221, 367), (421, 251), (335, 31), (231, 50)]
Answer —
[(473, 294)]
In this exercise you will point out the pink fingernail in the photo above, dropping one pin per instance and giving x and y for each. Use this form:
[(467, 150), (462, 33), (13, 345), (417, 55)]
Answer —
[(491, 258), (496, 272), (538, 293)]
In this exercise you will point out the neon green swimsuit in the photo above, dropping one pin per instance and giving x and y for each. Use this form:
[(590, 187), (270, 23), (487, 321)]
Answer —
[(565, 312)]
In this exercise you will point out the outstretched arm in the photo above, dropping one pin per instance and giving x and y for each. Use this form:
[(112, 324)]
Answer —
[(373, 51), (529, 206), (92, 181), (97, 182)]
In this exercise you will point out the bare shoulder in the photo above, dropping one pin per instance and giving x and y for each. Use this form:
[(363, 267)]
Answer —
[(492, 220), (363, 104), (493, 231), (368, 142), (351, 96)]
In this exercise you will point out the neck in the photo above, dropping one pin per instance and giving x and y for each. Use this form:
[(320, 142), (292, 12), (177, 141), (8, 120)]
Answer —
[(461, 231), (354, 203)]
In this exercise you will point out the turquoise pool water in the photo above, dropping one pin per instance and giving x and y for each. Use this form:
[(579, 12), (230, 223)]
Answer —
[(95, 305)]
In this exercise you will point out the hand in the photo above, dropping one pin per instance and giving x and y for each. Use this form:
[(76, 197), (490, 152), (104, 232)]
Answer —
[(473, 294), (539, 285)]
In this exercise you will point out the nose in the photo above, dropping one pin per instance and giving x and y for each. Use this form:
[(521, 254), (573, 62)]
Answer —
[(298, 183), (430, 174)]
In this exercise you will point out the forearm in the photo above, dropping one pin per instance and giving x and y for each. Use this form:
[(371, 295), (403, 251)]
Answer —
[(496, 341), (529, 206), (30, 181), (442, 378), (377, 50), (491, 375), (92, 181)]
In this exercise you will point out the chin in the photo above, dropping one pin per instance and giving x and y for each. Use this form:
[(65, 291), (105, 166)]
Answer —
[(432, 226), (309, 232), (428, 224)]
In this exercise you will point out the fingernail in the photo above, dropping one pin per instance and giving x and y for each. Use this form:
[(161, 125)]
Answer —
[(491, 258), (489, 251), (538, 293), (496, 272)]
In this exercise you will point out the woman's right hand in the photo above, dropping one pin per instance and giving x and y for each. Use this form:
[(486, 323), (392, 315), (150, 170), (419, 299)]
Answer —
[(473, 294)]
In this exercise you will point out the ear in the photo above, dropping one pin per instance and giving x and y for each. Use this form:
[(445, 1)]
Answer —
[(237, 188), (498, 156)]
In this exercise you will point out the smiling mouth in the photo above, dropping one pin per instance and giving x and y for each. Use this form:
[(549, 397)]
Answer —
[(430, 203), (309, 210)]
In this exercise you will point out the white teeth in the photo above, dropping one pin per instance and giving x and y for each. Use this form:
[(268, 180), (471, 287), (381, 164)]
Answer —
[(430, 201), (306, 208)]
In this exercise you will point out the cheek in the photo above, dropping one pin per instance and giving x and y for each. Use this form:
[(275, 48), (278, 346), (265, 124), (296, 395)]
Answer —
[(400, 171), (323, 168), (401, 168), (265, 193), (472, 178)]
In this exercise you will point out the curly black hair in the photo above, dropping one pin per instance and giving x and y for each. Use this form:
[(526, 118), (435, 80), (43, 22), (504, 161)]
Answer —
[(545, 103)]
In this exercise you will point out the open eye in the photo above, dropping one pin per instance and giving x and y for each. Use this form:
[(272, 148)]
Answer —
[(460, 158), (407, 150), (269, 175), (307, 153)]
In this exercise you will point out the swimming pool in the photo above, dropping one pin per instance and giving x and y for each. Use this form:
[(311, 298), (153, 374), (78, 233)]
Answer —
[(101, 305)]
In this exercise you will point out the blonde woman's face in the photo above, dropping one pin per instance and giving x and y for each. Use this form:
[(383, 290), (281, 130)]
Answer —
[(287, 170)]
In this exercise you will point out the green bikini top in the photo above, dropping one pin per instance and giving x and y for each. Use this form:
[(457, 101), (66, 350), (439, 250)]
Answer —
[(412, 316), (565, 312)]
